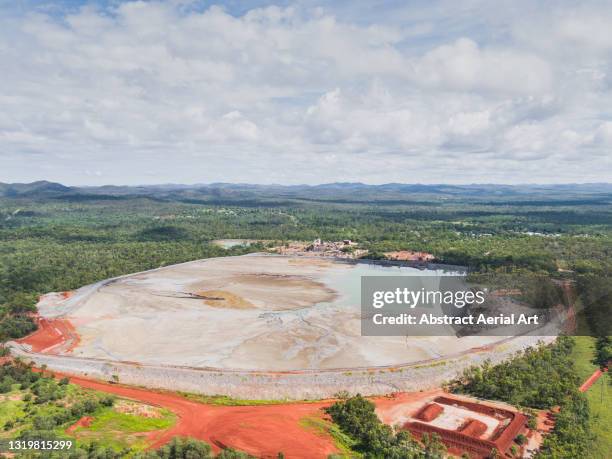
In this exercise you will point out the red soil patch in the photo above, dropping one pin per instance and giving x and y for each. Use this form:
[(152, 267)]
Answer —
[(430, 412), (390, 406), (546, 421), (263, 431), (52, 334), (473, 428), (592, 379), (85, 421)]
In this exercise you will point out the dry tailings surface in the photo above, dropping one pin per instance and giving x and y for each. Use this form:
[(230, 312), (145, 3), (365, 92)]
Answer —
[(254, 326), (256, 312)]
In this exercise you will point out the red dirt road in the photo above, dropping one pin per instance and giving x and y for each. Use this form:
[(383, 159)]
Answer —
[(262, 431), (592, 380)]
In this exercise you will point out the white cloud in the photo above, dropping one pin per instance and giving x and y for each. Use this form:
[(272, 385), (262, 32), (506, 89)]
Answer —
[(581, 30), (603, 134), (469, 123), (232, 127), (261, 96), (463, 66)]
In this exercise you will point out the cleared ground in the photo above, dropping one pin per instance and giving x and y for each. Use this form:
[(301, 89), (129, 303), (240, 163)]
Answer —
[(256, 312), (260, 430)]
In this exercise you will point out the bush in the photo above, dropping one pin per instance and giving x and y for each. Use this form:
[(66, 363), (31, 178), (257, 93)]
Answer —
[(5, 386), (520, 439), (47, 422), (182, 448), (107, 400), (233, 454), (532, 422)]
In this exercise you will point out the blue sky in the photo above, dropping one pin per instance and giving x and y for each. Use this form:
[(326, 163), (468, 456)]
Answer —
[(305, 92)]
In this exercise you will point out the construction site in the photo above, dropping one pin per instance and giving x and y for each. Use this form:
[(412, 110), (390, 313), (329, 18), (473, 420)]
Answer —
[(464, 424), (345, 249)]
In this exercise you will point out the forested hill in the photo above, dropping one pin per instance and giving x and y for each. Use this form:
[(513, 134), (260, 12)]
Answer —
[(343, 193)]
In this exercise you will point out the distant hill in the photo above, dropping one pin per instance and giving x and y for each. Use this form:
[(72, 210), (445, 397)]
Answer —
[(343, 193), (40, 188)]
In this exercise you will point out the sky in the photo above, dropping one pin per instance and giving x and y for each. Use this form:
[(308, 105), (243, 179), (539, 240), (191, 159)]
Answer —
[(134, 92)]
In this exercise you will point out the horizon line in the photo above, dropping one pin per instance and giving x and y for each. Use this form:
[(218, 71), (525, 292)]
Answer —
[(309, 185)]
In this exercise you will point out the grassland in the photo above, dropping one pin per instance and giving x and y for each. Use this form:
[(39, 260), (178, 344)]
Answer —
[(599, 397), (48, 409), (20, 412), (11, 407), (225, 400), (123, 430), (343, 442)]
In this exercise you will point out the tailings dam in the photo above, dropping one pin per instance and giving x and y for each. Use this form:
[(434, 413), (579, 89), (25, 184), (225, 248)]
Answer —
[(249, 326)]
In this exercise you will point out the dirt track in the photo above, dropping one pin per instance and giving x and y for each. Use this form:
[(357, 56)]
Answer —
[(263, 431), (592, 379)]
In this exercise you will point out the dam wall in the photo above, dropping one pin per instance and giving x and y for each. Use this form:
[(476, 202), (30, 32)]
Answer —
[(289, 385)]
